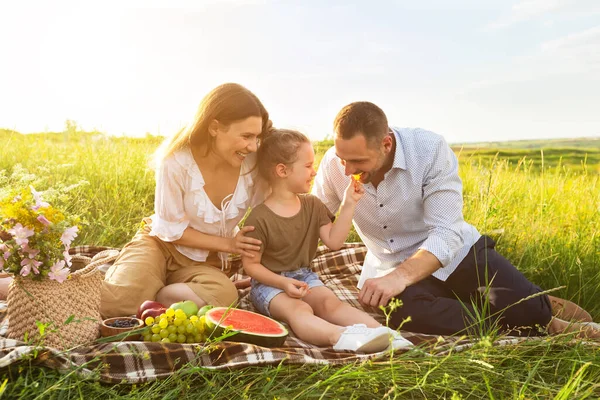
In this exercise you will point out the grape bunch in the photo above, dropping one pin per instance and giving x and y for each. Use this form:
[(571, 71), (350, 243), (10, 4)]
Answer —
[(174, 326)]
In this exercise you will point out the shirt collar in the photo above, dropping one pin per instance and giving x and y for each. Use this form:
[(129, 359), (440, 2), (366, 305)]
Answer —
[(399, 159)]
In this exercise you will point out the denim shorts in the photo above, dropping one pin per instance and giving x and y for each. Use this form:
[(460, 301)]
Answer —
[(261, 295)]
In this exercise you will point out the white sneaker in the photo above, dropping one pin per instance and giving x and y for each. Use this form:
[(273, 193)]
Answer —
[(398, 342), (361, 339)]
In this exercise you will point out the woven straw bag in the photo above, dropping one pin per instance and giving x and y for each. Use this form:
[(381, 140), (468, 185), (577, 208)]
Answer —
[(71, 308)]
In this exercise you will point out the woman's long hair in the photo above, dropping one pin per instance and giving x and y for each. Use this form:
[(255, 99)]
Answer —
[(226, 103)]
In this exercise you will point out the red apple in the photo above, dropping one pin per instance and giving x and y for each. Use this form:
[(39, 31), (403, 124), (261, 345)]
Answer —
[(152, 312), (147, 305)]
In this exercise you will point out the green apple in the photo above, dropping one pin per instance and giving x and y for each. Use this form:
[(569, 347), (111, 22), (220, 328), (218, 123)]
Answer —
[(204, 310), (188, 307)]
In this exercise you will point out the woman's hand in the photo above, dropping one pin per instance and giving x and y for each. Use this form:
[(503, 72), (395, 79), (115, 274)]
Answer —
[(295, 289), (244, 245)]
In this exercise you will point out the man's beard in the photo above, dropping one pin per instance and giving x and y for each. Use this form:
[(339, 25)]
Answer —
[(367, 176)]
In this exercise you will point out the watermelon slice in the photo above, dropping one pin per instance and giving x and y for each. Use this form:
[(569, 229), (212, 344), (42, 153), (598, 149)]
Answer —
[(250, 327)]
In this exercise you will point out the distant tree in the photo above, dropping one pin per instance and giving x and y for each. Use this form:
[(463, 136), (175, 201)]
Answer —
[(71, 126)]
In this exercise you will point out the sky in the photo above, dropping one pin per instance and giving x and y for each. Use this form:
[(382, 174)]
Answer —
[(472, 71)]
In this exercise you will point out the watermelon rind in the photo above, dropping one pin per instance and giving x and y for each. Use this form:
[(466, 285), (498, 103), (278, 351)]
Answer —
[(217, 328)]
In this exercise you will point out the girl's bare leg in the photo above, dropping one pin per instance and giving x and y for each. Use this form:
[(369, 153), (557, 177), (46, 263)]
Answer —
[(305, 324), (329, 307)]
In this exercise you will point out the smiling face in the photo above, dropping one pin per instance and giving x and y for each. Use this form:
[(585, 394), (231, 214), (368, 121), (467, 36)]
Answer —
[(360, 157), (300, 174), (235, 141)]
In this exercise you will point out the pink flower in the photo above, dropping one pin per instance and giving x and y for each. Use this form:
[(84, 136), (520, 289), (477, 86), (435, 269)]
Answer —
[(58, 272), (68, 235), (43, 220), (20, 234), (68, 257), (28, 264), (39, 203), (32, 252)]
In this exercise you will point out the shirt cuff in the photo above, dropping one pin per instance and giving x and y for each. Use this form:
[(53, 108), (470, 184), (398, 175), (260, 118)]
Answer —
[(167, 231), (439, 248)]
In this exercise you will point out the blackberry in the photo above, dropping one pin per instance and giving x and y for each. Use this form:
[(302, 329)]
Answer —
[(123, 323)]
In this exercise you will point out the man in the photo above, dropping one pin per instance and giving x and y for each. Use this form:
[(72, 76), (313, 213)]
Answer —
[(448, 276)]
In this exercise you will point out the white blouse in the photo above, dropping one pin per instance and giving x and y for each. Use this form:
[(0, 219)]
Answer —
[(180, 201)]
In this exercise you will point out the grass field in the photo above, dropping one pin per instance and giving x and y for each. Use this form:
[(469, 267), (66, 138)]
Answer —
[(542, 206)]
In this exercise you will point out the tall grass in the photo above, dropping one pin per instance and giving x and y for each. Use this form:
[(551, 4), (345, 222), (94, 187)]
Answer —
[(549, 222), (546, 220)]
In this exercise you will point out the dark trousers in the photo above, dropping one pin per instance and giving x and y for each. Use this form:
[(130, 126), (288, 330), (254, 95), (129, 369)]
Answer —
[(484, 287)]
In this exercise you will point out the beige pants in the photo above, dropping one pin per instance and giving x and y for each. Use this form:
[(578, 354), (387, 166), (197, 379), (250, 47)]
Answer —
[(147, 264)]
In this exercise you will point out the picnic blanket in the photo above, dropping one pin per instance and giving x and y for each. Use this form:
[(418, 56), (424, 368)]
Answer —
[(136, 361)]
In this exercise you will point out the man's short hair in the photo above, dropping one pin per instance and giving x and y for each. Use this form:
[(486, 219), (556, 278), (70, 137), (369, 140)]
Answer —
[(363, 118)]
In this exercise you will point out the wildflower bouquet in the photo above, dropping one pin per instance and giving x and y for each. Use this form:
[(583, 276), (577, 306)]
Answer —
[(35, 237)]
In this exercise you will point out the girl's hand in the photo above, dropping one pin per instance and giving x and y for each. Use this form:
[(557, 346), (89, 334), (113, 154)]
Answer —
[(244, 245), (295, 289), (354, 191)]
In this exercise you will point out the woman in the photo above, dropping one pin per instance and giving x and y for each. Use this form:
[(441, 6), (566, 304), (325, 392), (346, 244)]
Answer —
[(205, 183)]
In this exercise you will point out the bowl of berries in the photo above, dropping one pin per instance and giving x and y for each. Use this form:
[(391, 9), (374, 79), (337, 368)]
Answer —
[(119, 326)]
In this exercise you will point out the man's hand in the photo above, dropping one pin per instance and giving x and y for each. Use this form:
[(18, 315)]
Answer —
[(379, 291)]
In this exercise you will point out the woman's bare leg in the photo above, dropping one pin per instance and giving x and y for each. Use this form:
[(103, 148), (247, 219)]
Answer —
[(4, 282), (178, 292)]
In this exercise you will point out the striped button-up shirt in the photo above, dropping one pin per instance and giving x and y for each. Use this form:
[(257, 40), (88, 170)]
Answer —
[(418, 204)]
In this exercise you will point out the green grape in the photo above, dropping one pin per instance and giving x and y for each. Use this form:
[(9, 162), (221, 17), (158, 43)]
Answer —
[(173, 337), (155, 328), (198, 338), (190, 339), (181, 329), (163, 323), (181, 338), (147, 337), (189, 327), (155, 337), (163, 333), (172, 329), (178, 321), (165, 340)]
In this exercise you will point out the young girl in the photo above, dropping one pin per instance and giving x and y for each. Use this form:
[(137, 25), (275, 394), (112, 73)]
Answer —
[(289, 224)]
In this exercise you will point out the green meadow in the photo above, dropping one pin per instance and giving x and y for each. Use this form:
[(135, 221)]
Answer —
[(540, 202)]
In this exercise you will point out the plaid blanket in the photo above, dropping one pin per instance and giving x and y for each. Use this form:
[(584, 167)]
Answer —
[(135, 362)]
